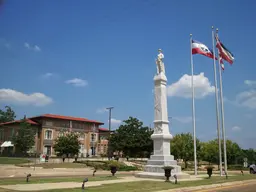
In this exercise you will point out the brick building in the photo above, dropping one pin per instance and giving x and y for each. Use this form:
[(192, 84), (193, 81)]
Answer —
[(48, 127)]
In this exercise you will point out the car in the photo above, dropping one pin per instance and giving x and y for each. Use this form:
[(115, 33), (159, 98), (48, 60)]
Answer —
[(252, 169)]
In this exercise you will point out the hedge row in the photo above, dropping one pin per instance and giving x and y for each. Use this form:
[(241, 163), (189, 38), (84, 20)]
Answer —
[(104, 165)]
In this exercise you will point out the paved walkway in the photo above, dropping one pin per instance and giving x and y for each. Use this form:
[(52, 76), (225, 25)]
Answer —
[(68, 185), (11, 171), (216, 187)]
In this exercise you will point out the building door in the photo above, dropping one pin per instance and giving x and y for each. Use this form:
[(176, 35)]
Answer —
[(48, 150), (93, 151)]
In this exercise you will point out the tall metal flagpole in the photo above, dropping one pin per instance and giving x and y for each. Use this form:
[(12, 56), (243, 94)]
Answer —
[(222, 114), (193, 104), (109, 128), (217, 102)]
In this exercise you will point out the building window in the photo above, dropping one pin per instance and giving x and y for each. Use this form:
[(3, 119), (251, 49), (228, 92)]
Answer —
[(81, 148), (12, 134), (48, 134), (93, 137), (1, 134)]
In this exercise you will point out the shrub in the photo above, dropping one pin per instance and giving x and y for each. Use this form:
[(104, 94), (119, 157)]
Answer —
[(237, 167), (105, 165)]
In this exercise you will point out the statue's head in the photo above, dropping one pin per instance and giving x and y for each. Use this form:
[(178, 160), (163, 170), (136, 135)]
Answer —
[(160, 51)]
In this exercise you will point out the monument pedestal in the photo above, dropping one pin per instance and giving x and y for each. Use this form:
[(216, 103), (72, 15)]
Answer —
[(161, 136)]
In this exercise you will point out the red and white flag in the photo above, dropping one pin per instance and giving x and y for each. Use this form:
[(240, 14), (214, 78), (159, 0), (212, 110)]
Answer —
[(221, 63), (224, 52), (200, 48)]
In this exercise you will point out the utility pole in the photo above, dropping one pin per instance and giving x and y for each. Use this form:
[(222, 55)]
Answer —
[(109, 128)]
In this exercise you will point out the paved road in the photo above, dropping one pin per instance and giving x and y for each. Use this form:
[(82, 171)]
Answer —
[(237, 188)]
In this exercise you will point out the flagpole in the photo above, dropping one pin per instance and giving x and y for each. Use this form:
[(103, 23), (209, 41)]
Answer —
[(217, 102), (193, 105), (222, 114)]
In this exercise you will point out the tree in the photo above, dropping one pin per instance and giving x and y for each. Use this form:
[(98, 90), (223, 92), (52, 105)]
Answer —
[(132, 138), (210, 151), (182, 147), (234, 152), (250, 154), (24, 139), (7, 115), (67, 144)]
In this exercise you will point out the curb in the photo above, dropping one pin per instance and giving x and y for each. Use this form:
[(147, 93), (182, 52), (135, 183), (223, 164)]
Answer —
[(203, 187), (59, 168)]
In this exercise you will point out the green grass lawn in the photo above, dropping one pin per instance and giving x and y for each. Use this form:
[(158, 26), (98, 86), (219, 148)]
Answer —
[(12, 181), (152, 186), (13, 160), (57, 165)]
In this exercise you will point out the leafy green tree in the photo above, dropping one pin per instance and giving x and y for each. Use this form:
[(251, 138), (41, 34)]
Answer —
[(250, 154), (7, 115), (182, 147), (234, 152), (24, 139), (210, 151), (67, 144), (132, 138)]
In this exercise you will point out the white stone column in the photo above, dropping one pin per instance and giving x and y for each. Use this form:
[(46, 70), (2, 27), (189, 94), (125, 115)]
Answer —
[(161, 135)]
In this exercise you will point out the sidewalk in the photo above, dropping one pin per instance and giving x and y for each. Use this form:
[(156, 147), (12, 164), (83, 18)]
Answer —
[(205, 187), (69, 185), (21, 172)]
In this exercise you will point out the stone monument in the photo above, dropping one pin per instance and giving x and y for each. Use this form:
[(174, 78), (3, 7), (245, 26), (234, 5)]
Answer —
[(161, 136)]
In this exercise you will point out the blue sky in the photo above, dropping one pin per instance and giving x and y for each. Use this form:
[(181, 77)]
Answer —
[(83, 56)]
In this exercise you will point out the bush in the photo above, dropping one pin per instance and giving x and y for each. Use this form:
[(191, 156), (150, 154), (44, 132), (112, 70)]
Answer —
[(237, 167), (105, 165)]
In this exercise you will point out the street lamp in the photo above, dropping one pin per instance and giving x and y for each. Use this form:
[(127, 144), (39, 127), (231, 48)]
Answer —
[(109, 128)]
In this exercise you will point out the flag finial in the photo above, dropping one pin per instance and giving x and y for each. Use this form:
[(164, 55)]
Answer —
[(190, 34), (217, 30), (212, 27)]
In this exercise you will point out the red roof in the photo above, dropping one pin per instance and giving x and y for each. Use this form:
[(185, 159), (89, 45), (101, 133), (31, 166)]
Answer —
[(103, 129), (18, 121), (68, 118)]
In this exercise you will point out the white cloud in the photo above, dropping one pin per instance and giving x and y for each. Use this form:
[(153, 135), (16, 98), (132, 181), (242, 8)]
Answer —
[(27, 45), (16, 97), (246, 99), (183, 119), (77, 82), (115, 121), (36, 48), (236, 128), (101, 110), (182, 88), (47, 75), (250, 82), (30, 47)]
